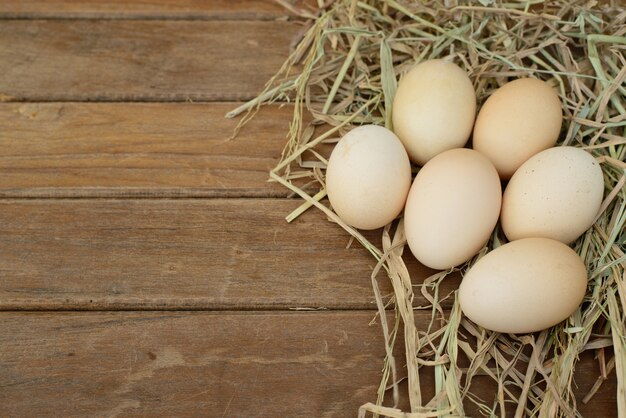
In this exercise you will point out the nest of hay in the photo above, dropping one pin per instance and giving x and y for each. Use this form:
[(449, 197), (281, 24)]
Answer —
[(343, 71)]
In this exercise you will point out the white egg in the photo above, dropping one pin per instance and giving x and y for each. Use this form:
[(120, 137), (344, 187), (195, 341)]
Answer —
[(368, 177)]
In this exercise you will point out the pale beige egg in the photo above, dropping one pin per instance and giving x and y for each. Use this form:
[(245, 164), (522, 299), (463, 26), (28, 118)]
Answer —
[(518, 120), (524, 286), (433, 109), (368, 177), (452, 208), (555, 194)]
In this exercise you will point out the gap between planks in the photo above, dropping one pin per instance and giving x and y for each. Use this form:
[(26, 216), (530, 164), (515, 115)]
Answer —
[(99, 193), (180, 307), (147, 17)]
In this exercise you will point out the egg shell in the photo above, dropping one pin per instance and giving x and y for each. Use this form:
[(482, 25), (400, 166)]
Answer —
[(524, 286), (452, 208), (434, 109), (555, 194), (520, 119), (368, 177)]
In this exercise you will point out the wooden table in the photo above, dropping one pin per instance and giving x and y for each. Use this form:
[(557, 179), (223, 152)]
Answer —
[(145, 265)]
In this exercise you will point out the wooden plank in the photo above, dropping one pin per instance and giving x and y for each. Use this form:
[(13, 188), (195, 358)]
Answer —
[(137, 149), (188, 364), (139, 60), (206, 364), (134, 9), (180, 254)]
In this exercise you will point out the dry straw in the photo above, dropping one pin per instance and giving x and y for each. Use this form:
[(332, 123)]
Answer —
[(343, 72)]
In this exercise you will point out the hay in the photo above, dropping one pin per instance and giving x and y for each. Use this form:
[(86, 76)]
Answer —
[(344, 72)]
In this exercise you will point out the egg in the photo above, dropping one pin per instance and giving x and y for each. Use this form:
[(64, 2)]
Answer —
[(524, 286), (368, 177), (452, 208), (433, 109), (518, 120), (555, 194)]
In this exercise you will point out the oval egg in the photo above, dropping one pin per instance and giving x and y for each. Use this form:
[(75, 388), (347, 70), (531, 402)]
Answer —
[(524, 286), (368, 177), (518, 120), (433, 109), (452, 208), (555, 194)]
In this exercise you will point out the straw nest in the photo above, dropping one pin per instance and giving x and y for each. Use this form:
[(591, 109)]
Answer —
[(343, 71)]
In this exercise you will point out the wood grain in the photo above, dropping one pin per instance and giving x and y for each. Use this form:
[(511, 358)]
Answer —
[(137, 150), (180, 254), (232, 256), (139, 60), (133, 9), (322, 364), (187, 364)]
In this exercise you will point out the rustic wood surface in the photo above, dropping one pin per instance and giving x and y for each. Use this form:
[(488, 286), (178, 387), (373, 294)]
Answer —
[(139, 60), (180, 254), (136, 206), (154, 9), (188, 364), (137, 149), (214, 364)]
